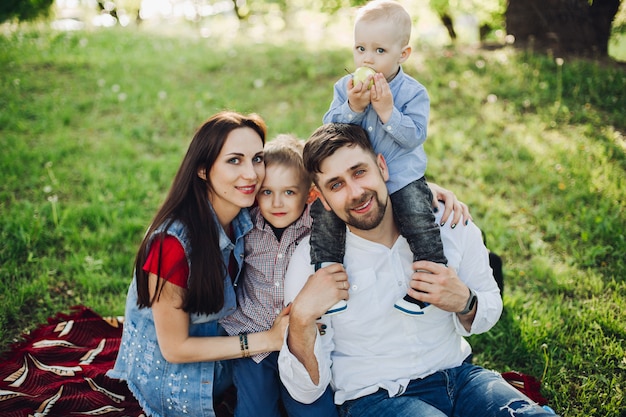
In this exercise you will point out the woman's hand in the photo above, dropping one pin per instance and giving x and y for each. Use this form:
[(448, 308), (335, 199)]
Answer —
[(451, 205), (277, 332)]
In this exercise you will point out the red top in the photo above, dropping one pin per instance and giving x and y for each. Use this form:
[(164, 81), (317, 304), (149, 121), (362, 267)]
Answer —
[(174, 266)]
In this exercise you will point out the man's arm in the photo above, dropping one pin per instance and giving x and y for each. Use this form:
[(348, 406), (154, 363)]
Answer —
[(301, 342), (449, 291), (304, 361), (320, 292), (466, 318)]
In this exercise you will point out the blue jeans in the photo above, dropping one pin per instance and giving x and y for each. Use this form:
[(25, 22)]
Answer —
[(412, 209), (464, 391), (260, 391)]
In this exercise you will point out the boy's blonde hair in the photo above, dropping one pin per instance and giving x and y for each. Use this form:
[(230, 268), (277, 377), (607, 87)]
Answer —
[(286, 150), (390, 10)]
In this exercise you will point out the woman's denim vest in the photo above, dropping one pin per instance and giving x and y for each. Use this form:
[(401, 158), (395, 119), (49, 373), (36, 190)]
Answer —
[(167, 389)]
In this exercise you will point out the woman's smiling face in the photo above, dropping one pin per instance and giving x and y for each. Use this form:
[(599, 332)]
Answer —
[(238, 172)]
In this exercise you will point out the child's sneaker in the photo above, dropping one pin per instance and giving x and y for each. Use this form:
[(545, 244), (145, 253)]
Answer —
[(411, 306), (337, 308)]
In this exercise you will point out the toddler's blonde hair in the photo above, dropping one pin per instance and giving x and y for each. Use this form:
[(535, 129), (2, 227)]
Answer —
[(388, 10)]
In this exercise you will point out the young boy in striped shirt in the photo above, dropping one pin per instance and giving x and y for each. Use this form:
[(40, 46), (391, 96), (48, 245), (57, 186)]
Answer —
[(281, 220)]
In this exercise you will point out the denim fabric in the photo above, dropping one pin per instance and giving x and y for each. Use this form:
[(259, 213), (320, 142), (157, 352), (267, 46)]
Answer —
[(166, 389), (328, 235), (464, 391), (380, 405), (413, 211), (412, 208), (259, 391)]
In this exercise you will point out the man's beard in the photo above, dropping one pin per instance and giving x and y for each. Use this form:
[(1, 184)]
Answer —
[(373, 218)]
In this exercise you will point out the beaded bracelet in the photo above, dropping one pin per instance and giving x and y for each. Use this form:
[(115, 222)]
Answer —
[(243, 343)]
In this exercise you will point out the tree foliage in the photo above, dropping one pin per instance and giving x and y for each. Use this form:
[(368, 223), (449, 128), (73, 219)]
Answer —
[(24, 10)]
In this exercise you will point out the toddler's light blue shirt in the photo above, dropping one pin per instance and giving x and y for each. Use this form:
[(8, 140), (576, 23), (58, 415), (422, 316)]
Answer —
[(401, 139)]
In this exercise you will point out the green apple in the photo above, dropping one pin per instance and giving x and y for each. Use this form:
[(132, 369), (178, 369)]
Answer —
[(360, 75)]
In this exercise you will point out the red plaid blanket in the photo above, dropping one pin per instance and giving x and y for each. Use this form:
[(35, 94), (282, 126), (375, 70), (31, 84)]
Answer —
[(59, 370)]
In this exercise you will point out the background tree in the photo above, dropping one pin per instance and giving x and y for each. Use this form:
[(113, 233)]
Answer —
[(581, 27), (488, 13), (24, 10)]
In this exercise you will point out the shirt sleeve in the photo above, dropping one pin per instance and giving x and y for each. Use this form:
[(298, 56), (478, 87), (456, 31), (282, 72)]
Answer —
[(408, 123), (174, 267), (475, 272), (340, 111), (292, 373)]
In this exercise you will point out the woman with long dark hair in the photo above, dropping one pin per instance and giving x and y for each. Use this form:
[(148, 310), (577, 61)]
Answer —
[(173, 351)]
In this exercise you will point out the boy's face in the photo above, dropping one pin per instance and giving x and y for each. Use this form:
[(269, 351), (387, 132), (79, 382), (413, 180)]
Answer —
[(283, 195), (377, 45)]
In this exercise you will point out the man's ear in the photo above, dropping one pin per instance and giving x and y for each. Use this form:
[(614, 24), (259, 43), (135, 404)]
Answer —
[(324, 203), (382, 165), (405, 54), (202, 173), (313, 194)]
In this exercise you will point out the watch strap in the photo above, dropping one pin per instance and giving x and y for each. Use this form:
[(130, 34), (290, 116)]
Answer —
[(471, 301)]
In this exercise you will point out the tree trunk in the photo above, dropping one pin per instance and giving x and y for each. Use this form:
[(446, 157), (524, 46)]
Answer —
[(562, 26), (447, 22)]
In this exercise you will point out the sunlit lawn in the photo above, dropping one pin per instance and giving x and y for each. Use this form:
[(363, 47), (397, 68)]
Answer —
[(94, 124)]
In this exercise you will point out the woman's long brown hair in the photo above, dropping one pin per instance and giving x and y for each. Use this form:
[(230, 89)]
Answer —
[(187, 201)]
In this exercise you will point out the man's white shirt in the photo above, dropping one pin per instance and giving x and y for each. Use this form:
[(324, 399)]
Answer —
[(372, 345)]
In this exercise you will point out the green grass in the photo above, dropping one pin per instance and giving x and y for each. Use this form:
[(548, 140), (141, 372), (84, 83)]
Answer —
[(93, 126)]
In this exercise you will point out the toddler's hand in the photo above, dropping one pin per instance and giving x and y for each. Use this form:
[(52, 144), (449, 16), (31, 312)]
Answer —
[(358, 96), (382, 99)]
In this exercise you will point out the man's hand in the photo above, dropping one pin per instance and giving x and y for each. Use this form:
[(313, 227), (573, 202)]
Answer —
[(382, 99), (440, 286), (322, 290)]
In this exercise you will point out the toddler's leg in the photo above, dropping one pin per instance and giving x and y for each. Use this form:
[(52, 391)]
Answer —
[(328, 236), (328, 242), (412, 209)]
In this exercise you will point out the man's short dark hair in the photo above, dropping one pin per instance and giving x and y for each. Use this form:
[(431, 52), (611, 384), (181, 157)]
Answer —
[(328, 138)]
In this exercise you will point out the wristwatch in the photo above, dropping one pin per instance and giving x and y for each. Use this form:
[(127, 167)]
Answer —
[(471, 301)]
